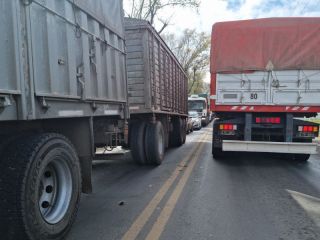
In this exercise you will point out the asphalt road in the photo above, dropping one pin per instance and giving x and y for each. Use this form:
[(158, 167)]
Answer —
[(193, 196)]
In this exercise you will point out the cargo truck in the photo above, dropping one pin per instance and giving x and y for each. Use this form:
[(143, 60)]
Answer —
[(199, 105), (265, 80), (63, 93), (157, 93)]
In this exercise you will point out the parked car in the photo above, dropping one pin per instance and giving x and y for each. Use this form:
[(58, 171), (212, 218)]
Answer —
[(196, 120), (189, 127)]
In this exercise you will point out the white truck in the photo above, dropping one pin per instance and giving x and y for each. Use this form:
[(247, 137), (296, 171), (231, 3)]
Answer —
[(199, 105)]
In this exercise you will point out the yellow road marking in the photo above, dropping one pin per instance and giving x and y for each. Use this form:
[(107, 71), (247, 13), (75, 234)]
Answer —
[(165, 214), (139, 223)]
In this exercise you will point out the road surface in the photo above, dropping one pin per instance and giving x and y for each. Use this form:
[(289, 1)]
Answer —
[(193, 196)]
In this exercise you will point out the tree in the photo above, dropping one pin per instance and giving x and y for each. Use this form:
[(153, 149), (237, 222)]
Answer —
[(192, 50), (149, 9)]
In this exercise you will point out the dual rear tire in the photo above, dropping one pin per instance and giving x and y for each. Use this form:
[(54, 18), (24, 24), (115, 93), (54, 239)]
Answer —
[(147, 142), (178, 134)]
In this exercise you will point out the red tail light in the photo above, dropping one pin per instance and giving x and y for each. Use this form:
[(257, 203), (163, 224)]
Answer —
[(308, 129), (272, 120), (229, 127)]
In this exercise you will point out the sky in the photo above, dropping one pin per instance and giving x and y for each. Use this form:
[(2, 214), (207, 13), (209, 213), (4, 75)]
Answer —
[(212, 11)]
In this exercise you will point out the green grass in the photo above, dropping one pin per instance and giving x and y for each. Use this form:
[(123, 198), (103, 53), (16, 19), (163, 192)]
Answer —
[(315, 121)]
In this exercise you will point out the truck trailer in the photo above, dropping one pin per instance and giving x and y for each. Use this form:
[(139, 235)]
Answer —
[(265, 80), (157, 93), (64, 93)]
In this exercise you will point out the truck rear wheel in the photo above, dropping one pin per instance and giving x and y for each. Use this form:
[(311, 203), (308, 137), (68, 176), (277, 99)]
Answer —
[(177, 134), (217, 153), (301, 157), (294, 157), (184, 133), (137, 139), (41, 178), (155, 143)]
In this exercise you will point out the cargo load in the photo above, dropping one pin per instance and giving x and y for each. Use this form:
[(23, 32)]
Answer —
[(266, 65), (156, 80)]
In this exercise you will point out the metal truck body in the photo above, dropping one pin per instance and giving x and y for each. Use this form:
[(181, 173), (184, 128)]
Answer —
[(64, 93), (265, 74), (58, 54), (157, 82)]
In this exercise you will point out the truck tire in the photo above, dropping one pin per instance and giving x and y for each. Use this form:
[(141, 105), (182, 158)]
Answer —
[(137, 139), (217, 153), (294, 157), (155, 143), (40, 178), (177, 134), (184, 133), (301, 157)]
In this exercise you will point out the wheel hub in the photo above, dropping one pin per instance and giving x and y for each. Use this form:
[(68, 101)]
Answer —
[(55, 191)]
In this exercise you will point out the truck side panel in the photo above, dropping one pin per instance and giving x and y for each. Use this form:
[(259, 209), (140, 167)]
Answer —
[(10, 60), (67, 61), (290, 87), (156, 80)]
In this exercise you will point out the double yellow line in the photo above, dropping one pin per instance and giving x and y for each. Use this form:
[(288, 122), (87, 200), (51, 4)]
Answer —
[(187, 164)]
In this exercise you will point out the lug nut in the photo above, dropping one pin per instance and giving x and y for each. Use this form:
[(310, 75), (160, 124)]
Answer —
[(45, 204), (49, 189)]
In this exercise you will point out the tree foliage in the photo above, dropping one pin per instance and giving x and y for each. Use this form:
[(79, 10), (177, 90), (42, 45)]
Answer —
[(192, 50), (150, 9)]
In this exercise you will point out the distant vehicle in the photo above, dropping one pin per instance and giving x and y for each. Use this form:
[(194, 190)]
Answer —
[(200, 105), (196, 120), (211, 116), (210, 113), (260, 86), (189, 127)]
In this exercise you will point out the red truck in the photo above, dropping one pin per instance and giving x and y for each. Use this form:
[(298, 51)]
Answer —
[(265, 80)]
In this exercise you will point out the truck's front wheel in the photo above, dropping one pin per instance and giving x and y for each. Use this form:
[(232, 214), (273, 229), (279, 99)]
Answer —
[(41, 178)]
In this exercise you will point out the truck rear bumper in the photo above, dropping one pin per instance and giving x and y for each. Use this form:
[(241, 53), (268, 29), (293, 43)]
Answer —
[(272, 147)]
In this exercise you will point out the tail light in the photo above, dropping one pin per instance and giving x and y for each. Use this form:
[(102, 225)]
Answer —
[(314, 129), (228, 127), (272, 120)]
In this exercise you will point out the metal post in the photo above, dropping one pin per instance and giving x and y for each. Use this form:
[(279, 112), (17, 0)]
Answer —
[(289, 127), (248, 127)]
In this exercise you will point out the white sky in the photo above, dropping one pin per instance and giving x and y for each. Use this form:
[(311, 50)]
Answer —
[(212, 11)]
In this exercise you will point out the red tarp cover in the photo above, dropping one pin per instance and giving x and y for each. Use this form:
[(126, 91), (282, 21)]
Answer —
[(289, 43)]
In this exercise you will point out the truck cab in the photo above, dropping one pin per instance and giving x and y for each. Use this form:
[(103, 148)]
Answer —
[(199, 104)]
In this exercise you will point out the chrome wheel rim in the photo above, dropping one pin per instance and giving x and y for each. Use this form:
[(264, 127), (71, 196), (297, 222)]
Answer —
[(55, 191)]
